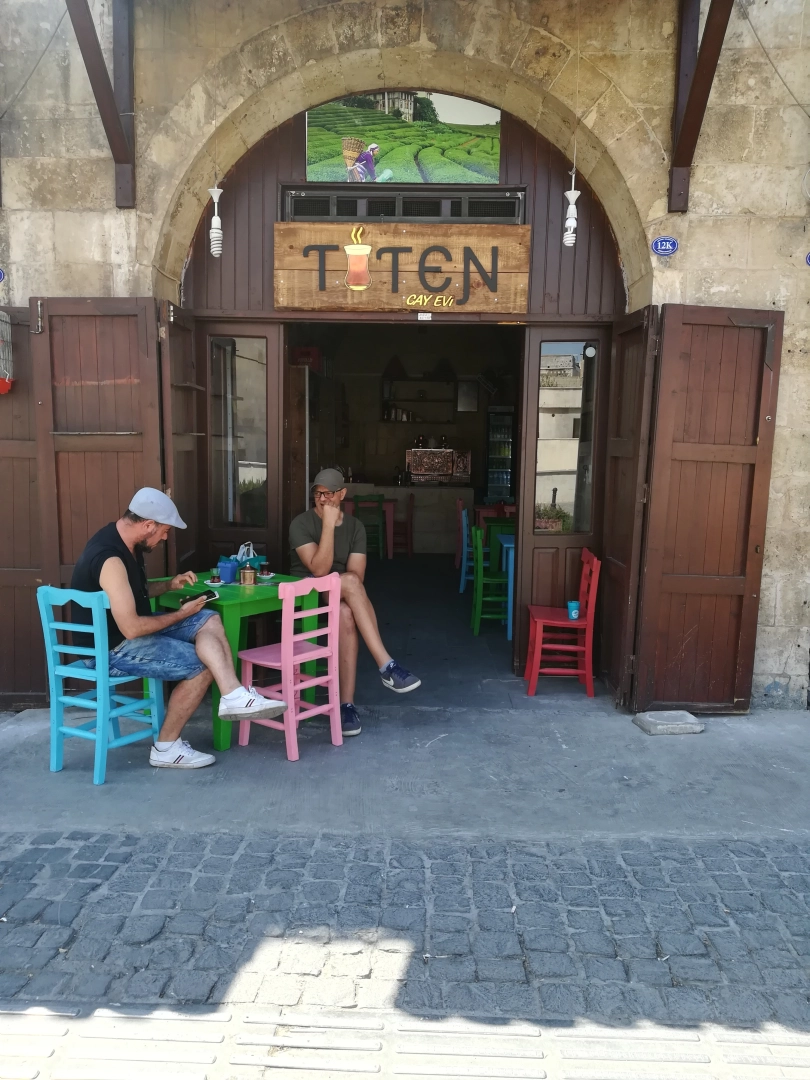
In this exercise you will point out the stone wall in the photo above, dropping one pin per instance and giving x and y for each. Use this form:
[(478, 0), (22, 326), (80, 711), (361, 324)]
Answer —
[(212, 78)]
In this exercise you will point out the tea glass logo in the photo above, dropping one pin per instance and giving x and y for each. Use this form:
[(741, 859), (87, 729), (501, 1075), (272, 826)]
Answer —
[(358, 277)]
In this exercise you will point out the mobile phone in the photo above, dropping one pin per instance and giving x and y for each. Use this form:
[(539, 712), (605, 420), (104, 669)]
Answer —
[(209, 594)]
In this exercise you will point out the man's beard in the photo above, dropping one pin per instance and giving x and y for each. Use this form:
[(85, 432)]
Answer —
[(145, 548)]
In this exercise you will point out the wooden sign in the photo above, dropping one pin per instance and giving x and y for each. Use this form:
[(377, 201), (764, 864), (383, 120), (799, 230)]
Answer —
[(331, 266)]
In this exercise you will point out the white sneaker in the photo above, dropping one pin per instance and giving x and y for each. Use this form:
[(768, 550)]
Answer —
[(250, 705), (179, 756)]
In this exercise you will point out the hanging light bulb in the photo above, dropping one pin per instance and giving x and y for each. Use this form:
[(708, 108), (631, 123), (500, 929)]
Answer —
[(215, 232), (570, 234)]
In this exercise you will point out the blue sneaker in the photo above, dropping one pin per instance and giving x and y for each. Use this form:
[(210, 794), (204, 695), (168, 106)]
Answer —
[(349, 720), (398, 679)]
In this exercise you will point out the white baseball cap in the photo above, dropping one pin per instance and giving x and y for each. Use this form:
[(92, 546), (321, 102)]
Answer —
[(154, 505), (374, 146)]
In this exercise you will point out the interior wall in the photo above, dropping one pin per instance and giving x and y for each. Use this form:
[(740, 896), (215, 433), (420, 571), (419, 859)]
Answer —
[(346, 426)]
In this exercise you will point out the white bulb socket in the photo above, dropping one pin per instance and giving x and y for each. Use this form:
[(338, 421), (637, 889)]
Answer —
[(570, 234), (215, 231)]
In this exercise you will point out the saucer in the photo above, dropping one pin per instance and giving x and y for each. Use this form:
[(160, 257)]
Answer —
[(215, 583)]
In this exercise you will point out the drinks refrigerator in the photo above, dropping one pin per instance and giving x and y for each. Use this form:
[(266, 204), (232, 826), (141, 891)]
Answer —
[(500, 461)]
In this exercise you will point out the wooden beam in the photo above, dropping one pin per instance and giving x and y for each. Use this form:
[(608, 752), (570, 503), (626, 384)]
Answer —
[(695, 75), (93, 57), (124, 90)]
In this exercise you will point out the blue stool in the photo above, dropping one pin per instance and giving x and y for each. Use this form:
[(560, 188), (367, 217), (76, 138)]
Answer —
[(109, 707)]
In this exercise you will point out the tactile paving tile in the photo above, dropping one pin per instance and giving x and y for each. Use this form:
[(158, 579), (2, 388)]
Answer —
[(237, 1043)]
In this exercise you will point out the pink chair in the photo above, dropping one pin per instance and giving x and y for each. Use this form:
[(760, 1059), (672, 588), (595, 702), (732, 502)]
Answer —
[(297, 649)]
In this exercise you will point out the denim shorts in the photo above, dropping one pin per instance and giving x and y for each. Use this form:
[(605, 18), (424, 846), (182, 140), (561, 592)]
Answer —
[(168, 654)]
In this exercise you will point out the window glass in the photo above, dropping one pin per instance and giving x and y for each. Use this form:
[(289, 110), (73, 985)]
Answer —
[(239, 431), (565, 421)]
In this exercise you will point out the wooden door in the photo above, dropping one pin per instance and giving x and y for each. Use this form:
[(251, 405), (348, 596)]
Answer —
[(182, 407), (95, 370), (561, 475), (23, 678), (241, 495), (632, 365), (708, 499)]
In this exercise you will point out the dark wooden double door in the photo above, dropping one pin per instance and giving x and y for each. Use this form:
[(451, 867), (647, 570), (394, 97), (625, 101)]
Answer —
[(684, 425), (114, 394)]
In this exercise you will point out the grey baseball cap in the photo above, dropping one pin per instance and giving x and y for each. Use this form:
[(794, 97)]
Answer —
[(329, 478), (154, 505)]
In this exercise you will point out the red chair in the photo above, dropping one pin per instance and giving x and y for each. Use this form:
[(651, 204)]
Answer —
[(403, 530), (558, 645), (297, 649)]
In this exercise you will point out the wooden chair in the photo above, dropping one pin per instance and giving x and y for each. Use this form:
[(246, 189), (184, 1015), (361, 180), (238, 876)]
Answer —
[(559, 645), (403, 530), (373, 517), (287, 657), (467, 569), (100, 699), (490, 587)]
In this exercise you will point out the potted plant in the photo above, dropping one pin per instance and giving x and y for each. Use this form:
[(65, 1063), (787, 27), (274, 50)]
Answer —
[(548, 517)]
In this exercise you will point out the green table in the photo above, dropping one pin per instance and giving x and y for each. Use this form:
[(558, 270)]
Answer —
[(496, 526), (234, 606)]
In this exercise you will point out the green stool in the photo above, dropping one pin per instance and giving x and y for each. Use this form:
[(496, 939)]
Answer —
[(373, 517), (490, 586)]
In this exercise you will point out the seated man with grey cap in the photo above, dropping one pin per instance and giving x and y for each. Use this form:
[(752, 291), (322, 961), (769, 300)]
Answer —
[(324, 540), (187, 646)]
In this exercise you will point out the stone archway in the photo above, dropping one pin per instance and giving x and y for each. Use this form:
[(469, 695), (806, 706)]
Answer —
[(267, 80)]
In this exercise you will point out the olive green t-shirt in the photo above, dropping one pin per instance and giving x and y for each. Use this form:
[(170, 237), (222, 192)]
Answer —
[(350, 539)]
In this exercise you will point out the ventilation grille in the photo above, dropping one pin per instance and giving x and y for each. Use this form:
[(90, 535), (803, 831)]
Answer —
[(382, 207), (490, 208), (421, 208), (358, 203), (310, 206)]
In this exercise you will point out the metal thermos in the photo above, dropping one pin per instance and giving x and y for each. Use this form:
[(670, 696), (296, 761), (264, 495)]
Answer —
[(247, 576)]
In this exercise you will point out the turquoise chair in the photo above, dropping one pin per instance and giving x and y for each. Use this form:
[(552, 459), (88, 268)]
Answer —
[(467, 571), (109, 708)]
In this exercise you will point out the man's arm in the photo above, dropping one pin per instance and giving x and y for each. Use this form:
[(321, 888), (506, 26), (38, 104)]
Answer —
[(113, 580), (318, 558), (356, 564), (158, 588)]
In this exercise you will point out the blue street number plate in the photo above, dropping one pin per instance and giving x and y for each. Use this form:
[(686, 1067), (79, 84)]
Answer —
[(664, 245)]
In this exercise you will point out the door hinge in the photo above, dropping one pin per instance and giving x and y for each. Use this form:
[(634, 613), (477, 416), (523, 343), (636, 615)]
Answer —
[(645, 488), (630, 666), (38, 329)]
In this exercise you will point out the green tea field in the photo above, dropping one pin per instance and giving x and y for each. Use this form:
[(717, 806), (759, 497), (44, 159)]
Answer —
[(416, 153)]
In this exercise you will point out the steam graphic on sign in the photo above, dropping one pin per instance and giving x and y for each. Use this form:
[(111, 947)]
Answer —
[(357, 277)]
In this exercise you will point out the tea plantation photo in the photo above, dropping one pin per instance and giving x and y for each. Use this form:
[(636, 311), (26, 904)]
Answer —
[(410, 152)]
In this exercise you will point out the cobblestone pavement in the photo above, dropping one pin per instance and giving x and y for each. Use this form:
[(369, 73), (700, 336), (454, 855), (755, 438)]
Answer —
[(666, 931)]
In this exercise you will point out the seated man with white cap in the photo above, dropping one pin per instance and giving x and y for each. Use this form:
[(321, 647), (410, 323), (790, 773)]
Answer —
[(187, 646), (324, 540)]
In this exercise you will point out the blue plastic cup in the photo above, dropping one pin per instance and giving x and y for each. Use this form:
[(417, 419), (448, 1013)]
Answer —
[(227, 571), (573, 609)]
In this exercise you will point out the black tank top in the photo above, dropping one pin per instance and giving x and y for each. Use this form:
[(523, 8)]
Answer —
[(107, 544)]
